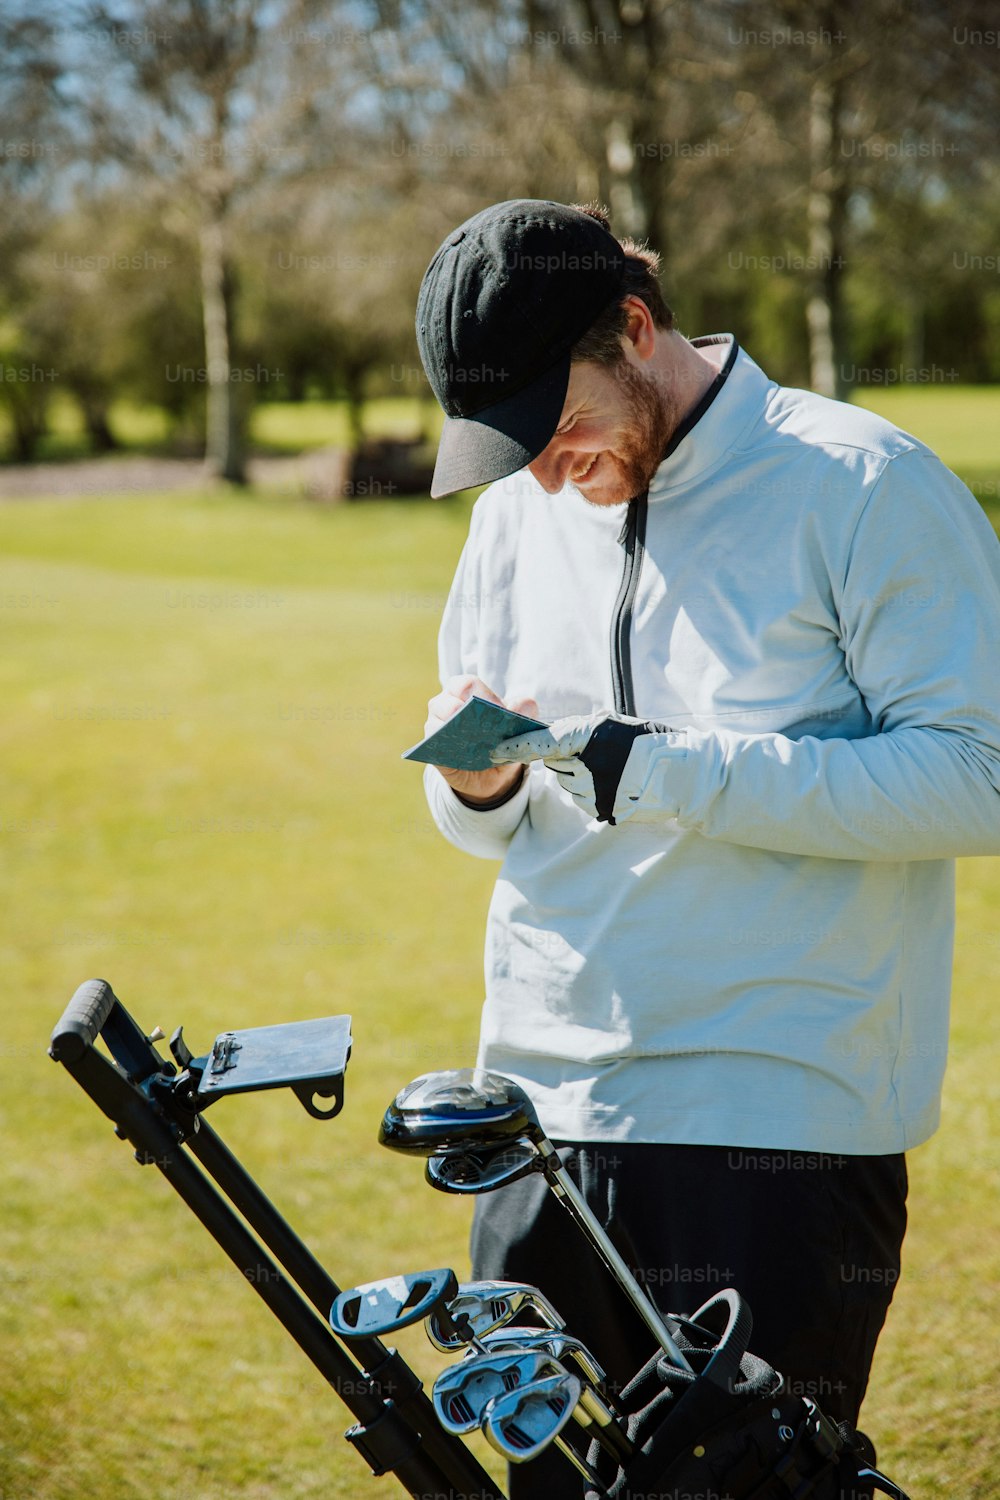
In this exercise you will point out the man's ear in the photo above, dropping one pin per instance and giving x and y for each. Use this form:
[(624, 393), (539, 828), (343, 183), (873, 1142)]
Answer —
[(640, 332)]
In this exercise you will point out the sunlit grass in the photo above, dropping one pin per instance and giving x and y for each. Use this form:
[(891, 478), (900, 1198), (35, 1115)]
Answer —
[(959, 422), (286, 426), (204, 802), (206, 698)]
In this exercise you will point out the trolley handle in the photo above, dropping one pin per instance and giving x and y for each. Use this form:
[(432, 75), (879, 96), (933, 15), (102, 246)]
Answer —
[(82, 1021)]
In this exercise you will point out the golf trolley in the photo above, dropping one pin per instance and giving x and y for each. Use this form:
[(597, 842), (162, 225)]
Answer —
[(702, 1413)]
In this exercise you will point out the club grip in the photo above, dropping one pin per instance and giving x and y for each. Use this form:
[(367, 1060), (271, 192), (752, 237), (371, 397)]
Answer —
[(82, 1020)]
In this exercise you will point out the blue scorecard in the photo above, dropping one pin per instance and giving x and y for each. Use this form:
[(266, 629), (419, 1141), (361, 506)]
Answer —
[(465, 742)]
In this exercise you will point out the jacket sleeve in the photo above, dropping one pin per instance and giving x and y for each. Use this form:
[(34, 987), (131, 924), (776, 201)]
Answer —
[(920, 619), (485, 834)]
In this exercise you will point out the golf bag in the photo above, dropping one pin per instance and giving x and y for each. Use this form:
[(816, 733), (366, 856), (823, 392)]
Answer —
[(725, 1430)]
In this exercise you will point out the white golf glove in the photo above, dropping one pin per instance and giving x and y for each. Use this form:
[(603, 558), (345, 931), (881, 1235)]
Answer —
[(614, 767)]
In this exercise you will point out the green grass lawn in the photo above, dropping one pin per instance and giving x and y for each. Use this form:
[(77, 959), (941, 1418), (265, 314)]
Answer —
[(205, 701), (204, 802), (959, 422), (291, 427)]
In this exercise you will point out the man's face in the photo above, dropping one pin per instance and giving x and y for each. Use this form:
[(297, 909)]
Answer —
[(616, 422)]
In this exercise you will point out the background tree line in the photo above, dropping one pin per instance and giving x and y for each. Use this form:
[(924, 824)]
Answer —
[(210, 203)]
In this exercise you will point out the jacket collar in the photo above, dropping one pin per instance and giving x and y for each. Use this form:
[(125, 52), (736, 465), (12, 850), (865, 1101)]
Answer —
[(732, 403)]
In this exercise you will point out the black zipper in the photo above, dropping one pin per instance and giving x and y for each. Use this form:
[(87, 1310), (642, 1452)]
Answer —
[(633, 539)]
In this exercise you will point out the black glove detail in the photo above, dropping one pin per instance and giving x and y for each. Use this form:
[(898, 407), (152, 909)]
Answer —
[(604, 755)]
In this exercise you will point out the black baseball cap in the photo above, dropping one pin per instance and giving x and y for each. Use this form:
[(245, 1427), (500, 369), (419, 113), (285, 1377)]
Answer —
[(501, 305)]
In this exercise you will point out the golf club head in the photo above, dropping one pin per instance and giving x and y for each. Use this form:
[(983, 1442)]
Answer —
[(464, 1171), (523, 1422), (380, 1307), (463, 1107), (480, 1306), (462, 1393), (561, 1346)]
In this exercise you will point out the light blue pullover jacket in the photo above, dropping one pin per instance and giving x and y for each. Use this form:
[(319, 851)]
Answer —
[(815, 605)]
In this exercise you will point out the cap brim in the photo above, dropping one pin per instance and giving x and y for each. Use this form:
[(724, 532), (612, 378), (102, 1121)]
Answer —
[(503, 438)]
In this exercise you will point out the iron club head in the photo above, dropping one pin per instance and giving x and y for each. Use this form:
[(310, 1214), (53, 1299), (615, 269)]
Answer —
[(598, 1404), (562, 1346), (523, 1422), (462, 1393), (480, 1306)]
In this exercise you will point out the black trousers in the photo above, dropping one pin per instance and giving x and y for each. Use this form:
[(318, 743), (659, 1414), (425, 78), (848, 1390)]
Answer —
[(811, 1240)]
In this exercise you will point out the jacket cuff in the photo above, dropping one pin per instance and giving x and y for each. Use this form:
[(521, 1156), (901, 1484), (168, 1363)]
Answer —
[(485, 833), (675, 774), (494, 802)]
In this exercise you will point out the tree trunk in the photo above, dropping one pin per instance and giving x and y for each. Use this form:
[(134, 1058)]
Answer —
[(640, 170), (827, 204), (354, 382), (27, 420), (913, 336), (95, 419), (628, 215), (225, 455)]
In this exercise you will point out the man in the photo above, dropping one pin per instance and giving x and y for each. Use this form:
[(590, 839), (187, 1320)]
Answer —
[(765, 628)]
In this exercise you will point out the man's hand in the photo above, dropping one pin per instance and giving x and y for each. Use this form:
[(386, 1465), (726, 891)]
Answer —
[(476, 786), (603, 760)]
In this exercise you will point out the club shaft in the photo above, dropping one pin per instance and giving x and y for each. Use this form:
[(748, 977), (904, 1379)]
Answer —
[(581, 1463), (572, 1199), (603, 1425)]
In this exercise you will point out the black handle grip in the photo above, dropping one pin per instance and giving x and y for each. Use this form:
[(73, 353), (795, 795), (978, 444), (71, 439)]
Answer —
[(82, 1020)]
